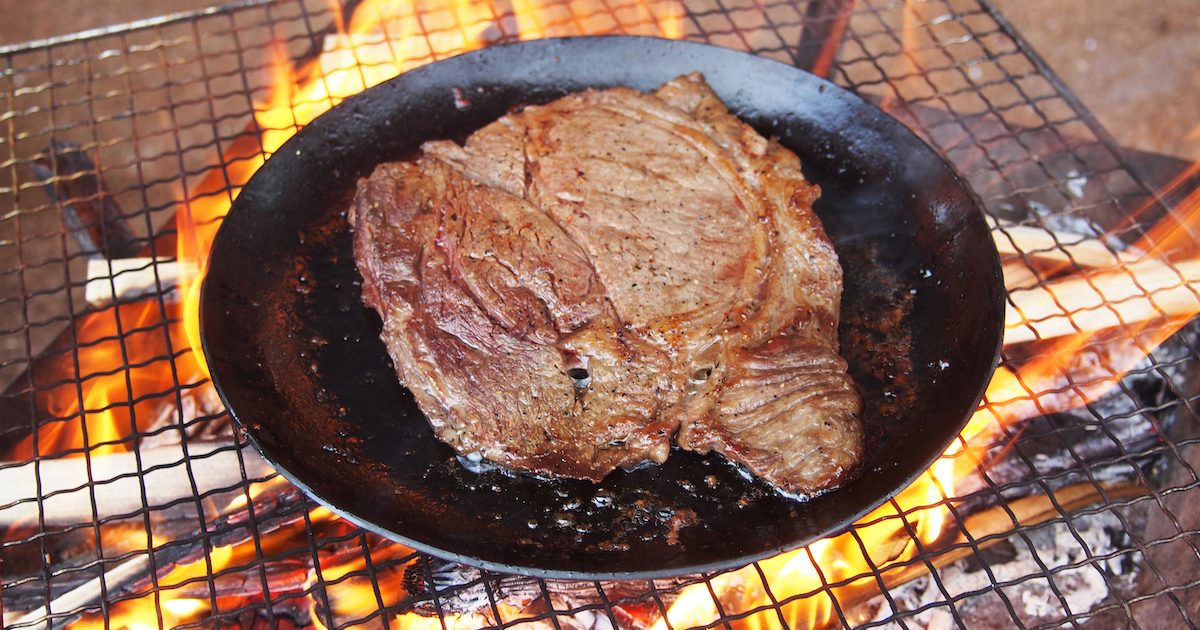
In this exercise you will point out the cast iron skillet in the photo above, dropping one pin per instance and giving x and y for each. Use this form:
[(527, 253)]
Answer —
[(298, 362)]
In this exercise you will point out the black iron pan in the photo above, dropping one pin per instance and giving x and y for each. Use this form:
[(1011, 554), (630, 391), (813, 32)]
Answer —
[(298, 362)]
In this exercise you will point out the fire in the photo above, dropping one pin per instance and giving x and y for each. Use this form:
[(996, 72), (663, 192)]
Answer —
[(382, 39), (350, 593), (99, 402), (892, 533), (144, 610)]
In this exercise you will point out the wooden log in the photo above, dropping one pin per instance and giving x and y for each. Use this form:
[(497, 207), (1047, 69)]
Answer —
[(283, 506), (1146, 291), (113, 579), (89, 210), (1018, 275), (1045, 244), (131, 278), (115, 483)]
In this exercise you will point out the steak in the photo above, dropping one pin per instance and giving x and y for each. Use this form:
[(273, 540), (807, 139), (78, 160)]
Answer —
[(583, 283)]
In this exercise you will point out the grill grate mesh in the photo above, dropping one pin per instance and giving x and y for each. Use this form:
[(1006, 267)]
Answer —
[(165, 113)]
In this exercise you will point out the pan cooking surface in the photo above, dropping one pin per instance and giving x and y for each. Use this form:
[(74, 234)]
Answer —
[(297, 358)]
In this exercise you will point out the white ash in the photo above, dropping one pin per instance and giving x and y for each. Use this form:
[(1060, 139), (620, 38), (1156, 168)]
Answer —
[(585, 620), (1035, 603)]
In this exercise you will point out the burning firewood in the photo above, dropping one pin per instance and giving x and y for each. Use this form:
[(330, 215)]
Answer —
[(807, 582), (1046, 244), (1083, 557), (89, 209), (407, 583), (1150, 290), (114, 580), (132, 278), (273, 511), (62, 491)]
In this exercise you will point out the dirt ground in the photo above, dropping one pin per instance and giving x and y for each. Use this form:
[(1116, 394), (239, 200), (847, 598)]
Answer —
[(1135, 63)]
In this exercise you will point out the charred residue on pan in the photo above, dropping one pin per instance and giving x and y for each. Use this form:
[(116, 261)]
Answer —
[(652, 504), (876, 336), (628, 508)]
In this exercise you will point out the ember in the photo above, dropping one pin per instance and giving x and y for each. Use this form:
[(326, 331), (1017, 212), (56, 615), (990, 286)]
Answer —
[(133, 502)]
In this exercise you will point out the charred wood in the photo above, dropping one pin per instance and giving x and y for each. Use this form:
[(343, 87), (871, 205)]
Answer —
[(89, 209)]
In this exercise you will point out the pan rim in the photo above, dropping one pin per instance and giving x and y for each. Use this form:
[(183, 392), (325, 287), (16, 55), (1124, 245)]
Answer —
[(903, 481)]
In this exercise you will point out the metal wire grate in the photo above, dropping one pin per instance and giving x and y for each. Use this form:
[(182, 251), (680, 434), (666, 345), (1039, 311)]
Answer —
[(105, 408)]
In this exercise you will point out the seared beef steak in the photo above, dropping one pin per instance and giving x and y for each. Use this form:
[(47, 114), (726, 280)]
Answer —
[(585, 281)]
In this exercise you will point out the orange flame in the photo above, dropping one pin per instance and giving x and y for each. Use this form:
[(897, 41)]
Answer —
[(143, 611), (918, 516), (99, 401), (1174, 236), (890, 535)]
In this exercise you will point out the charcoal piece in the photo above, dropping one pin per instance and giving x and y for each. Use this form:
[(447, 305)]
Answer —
[(463, 589), (1063, 551), (89, 211), (998, 553), (1121, 436)]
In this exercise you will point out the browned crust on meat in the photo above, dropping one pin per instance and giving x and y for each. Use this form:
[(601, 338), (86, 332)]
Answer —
[(654, 239)]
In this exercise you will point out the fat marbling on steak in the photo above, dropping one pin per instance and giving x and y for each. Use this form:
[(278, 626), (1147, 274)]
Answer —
[(584, 282)]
